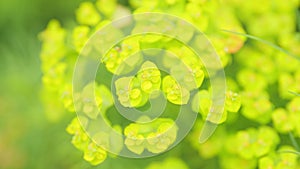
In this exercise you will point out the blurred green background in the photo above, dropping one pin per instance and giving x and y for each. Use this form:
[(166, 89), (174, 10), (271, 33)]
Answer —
[(27, 138)]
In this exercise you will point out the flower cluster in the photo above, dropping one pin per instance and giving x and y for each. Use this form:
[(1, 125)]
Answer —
[(134, 91), (155, 136), (92, 152), (260, 107)]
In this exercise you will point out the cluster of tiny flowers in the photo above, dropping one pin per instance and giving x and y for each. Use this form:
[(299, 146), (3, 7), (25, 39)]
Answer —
[(262, 107), (156, 136)]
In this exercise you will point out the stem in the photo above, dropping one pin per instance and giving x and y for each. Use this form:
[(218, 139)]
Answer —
[(265, 42), (290, 151), (298, 19), (294, 142), (297, 94)]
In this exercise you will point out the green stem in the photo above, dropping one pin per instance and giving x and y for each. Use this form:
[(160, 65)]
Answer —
[(298, 18), (297, 94), (294, 142), (290, 151), (265, 42)]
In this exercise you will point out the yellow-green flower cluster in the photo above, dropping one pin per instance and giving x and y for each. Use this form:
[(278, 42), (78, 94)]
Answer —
[(289, 80), (287, 120), (149, 77), (174, 92), (93, 99), (156, 136), (87, 14), (253, 143), (92, 152), (123, 57), (280, 160), (250, 148), (202, 103), (54, 69), (184, 65), (259, 79), (134, 91), (129, 92)]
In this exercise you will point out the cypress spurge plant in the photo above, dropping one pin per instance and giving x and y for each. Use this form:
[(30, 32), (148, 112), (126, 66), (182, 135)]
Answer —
[(260, 58)]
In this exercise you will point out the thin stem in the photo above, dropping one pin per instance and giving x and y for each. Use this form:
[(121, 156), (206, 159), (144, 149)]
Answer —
[(290, 151), (297, 94), (298, 19), (265, 42), (294, 142)]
